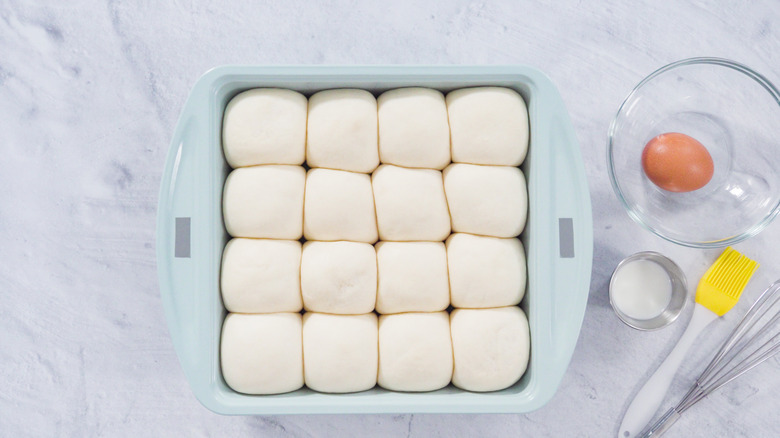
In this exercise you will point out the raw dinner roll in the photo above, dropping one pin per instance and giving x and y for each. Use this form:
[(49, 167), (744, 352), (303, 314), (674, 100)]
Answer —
[(490, 346), (261, 276), (410, 204), (264, 202), (339, 206), (486, 200), (413, 128), (415, 351), (340, 352), (343, 131), (412, 277), (488, 125), (262, 354), (265, 126), (485, 271), (338, 277)]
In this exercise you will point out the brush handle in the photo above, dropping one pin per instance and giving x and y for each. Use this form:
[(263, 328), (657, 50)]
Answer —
[(649, 398)]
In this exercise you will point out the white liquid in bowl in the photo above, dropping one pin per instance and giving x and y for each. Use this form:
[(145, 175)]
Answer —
[(641, 289)]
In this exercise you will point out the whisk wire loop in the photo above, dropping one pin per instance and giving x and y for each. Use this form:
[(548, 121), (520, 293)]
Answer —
[(754, 340)]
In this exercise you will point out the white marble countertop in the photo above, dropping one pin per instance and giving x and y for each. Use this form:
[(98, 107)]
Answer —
[(89, 96)]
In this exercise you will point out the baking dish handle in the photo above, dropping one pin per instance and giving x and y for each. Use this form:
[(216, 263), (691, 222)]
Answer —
[(179, 215), (572, 223)]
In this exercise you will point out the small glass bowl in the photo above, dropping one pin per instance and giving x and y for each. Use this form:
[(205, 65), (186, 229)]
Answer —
[(676, 304), (734, 112)]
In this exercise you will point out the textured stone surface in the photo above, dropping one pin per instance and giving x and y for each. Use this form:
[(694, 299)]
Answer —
[(89, 96)]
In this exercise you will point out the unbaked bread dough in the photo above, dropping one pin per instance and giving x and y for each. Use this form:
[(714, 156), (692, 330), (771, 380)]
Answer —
[(487, 200), (410, 204), (338, 277), (339, 205), (485, 271), (490, 346), (342, 130), (413, 128), (261, 276), (488, 125), (415, 351), (340, 352), (264, 202), (265, 126), (412, 277), (262, 354)]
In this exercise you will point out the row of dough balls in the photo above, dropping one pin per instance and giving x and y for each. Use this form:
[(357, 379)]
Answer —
[(349, 129), (475, 349), (394, 203), (469, 271)]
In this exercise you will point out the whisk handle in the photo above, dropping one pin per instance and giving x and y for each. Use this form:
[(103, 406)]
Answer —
[(663, 424), (649, 398)]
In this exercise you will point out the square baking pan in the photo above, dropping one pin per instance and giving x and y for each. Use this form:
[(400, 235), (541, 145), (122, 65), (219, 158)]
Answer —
[(558, 237)]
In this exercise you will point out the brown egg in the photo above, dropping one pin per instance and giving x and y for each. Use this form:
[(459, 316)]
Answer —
[(677, 163)]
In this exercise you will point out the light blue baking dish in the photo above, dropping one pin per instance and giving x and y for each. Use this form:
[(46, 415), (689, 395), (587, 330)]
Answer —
[(190, 237)]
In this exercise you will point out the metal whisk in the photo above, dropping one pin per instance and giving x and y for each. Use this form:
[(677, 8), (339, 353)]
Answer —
[(754, 340)]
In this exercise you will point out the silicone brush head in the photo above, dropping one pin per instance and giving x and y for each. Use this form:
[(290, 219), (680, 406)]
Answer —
[(722, 284)]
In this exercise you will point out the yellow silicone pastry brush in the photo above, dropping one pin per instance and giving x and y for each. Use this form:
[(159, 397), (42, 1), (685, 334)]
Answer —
[(718, 291)]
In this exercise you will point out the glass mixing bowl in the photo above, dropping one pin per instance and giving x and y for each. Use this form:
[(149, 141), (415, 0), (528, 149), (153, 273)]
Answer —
[(735, 113)]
